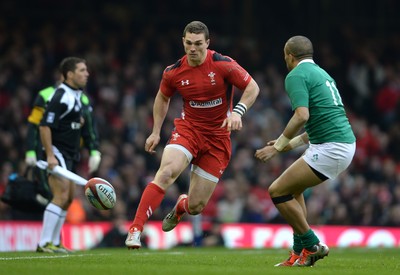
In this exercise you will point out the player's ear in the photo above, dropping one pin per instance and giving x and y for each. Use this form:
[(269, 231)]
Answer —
[(70, 74), (208, 42)]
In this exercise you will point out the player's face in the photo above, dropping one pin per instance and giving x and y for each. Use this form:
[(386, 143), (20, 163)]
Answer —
[(195, 46), (80, 76)]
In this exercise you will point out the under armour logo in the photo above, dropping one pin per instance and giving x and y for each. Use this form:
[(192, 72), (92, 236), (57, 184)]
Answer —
[(185, 82), (315, 157)]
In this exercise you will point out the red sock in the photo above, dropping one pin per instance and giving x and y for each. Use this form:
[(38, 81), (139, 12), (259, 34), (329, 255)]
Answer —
[(150, 201), (183, 207)]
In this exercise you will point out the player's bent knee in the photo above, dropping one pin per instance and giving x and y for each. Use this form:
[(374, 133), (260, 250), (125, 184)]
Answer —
[(282, 199), (196, 209), (274, 190), (165, 178)]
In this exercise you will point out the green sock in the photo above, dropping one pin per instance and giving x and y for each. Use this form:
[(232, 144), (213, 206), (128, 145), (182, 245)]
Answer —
[(309, 239), (297, 246)]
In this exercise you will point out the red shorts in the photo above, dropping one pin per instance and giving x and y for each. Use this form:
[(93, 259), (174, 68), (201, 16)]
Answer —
[(210, 152)]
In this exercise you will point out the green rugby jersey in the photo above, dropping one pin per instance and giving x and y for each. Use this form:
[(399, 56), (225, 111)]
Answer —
[(310, 86)]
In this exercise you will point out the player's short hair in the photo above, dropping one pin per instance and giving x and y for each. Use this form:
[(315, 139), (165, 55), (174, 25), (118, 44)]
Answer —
[(196, 27), (68, 64), (300, 47)]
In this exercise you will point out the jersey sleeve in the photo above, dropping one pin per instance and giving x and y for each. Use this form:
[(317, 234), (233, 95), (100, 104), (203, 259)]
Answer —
[(36, 115), (32, 137), (296, 88), (38, 108), (89, 131), (165, 85), (236, 74)]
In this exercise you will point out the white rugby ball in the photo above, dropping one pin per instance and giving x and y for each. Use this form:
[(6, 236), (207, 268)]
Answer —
[(100, 193)]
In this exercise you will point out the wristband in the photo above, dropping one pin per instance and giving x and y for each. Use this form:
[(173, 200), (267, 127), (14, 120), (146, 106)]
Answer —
[(281, 142), (240, 109), (30, 153), (95, 153), (296, 142)]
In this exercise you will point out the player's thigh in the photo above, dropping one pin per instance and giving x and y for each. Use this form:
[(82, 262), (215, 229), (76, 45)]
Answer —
[(71, 191), (174, 160), (200, 189), (212, 163), (294, 180), (58, 185)]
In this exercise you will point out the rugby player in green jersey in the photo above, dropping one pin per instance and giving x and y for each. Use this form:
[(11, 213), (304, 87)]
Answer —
[(318, 108)]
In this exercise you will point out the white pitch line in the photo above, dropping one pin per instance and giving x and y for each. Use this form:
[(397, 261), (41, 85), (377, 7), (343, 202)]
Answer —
[(50, 257), (250, 252), (159, 253)]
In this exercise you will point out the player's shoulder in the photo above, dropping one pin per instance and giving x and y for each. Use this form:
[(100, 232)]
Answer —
[(174, 66), (218, 57), (63, 94), (59, 91), (46, 93), (306, 70), (43, 96), (299, 71), (294, 75)]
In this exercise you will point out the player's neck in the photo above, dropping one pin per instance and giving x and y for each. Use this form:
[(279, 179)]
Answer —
[(72, 85), (199, 62)]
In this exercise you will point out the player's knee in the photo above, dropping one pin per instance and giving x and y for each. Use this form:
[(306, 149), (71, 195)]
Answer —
[(196, 208), (276, 190), (277, 195), (66, 204), (165, 177), (69, 201)]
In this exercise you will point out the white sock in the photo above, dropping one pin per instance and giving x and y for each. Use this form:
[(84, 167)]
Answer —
[(57, 230), (50, 219)]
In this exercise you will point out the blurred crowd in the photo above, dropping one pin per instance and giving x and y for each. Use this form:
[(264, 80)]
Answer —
[(126, 62)]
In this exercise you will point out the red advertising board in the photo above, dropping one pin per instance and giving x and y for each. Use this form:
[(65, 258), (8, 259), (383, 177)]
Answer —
[(23, 236)]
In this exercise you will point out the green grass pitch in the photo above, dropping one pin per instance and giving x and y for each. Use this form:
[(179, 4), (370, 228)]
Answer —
[(207, 261)]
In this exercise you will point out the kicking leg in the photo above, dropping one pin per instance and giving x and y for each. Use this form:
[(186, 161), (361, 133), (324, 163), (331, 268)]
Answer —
[(200, 192)]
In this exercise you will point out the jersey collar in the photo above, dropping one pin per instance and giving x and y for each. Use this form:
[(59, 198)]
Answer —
[(307, 60)]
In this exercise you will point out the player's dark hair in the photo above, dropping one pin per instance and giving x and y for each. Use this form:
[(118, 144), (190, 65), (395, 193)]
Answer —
[(196, 27), (68, 64), (300, 47)]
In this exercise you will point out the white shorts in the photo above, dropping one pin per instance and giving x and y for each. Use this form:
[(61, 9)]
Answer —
[(331, 158)]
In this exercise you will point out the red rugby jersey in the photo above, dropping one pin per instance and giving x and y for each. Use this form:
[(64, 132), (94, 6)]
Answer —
[(207, 90)]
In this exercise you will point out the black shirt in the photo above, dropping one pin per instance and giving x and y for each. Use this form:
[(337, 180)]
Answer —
[(63, 116)]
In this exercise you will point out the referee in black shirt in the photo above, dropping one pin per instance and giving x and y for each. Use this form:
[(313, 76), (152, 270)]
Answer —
[(60, 132)]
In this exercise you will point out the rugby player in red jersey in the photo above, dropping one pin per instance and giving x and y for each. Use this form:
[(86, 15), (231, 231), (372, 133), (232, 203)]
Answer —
[(201, 137)]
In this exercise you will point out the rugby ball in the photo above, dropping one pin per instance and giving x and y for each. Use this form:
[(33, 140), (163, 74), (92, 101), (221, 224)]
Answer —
[(100, 193)]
